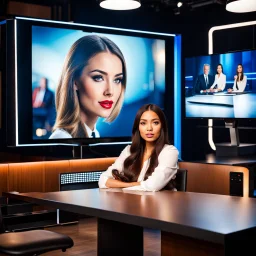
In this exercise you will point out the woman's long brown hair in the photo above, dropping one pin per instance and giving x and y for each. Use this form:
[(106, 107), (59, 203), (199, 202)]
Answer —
[(242, 73), (133, 163)]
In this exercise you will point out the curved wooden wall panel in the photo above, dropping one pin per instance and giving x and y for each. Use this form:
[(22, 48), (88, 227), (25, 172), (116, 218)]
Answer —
[(28, 9), (3, 178), (44, 176), (26, 177), (95, 164), (54, 168), (52, 171), (212, 178)]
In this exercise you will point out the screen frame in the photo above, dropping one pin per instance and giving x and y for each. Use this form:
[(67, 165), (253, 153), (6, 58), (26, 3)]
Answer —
[(228, 119), (17, 116)]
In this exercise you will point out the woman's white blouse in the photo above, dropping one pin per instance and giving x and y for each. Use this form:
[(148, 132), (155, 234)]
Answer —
[(63, 134), (163, 173), (241, 85), (220, 81), (60, 134)]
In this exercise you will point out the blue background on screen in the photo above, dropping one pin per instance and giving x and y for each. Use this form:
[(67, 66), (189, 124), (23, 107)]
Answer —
[(221, 104), (194, 67), (145, 60)]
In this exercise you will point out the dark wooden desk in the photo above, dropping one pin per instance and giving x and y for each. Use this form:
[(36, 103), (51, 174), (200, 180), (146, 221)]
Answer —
[(191, 223)]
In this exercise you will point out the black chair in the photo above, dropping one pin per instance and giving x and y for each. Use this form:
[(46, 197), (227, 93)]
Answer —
[(32, 242), (181, 180)]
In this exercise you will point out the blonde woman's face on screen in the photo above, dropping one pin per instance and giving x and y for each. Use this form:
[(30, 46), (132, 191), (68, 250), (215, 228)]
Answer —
[(150, 126), (100, 85)]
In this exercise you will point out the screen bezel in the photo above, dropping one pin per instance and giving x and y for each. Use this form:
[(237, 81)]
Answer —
[(20, 44), (184, 91)]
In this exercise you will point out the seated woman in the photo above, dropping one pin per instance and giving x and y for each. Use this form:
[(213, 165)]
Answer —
[(240, 80), (220, 80), (150, 162)]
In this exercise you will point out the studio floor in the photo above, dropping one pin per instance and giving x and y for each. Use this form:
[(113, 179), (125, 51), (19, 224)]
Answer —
[(84, 235)]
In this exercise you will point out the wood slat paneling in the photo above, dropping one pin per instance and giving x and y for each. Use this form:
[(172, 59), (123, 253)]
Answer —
[(96, 164), (44, 176), (54, 168), (3, 178), (30, 10), (52, 171), (26, 177), (212, 178)]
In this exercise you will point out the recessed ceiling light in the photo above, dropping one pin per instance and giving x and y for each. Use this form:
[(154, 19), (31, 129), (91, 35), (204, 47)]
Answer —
[(241, 6), (179, 4), (120, 4)]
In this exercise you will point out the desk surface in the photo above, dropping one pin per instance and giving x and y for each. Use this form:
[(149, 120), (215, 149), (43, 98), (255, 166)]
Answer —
[(203, 216), (221, 106)]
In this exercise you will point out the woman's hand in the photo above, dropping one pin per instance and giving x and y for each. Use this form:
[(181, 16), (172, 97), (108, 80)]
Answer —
[(235, 77), (230, 90)]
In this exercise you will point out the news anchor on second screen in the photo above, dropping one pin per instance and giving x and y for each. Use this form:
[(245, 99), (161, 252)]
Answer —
[(240, 80), (204, 81), (220, 80)]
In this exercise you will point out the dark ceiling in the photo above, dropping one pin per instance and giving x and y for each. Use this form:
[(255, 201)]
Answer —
[(160, 5), (186, 3), (171, 5), (146, 5), (153, 4)]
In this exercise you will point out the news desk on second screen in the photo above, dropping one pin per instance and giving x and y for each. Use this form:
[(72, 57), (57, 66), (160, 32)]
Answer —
[(222, 104), (190, 223)]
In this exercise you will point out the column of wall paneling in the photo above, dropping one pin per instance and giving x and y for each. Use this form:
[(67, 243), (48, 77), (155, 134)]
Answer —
[(44, 176)]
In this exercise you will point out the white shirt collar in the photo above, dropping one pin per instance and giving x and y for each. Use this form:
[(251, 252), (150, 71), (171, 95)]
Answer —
[(89, 131)]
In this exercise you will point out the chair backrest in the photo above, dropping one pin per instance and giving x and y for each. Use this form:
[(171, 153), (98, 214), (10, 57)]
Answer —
[(181, 180)]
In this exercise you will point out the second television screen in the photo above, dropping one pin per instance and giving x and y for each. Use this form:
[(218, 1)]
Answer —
[(221, 86), (97, 89)]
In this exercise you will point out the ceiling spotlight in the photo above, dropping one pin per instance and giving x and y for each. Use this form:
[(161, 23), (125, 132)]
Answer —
[(120, 4), (240, 6), (179, 4)]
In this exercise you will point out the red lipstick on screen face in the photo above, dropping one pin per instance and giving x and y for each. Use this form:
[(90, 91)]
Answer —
[(106, 104)]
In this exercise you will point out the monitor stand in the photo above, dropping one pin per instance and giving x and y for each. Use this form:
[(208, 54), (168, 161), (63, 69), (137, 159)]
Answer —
[(85, 151), (82, 151), (234, 148), (77, 152)]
